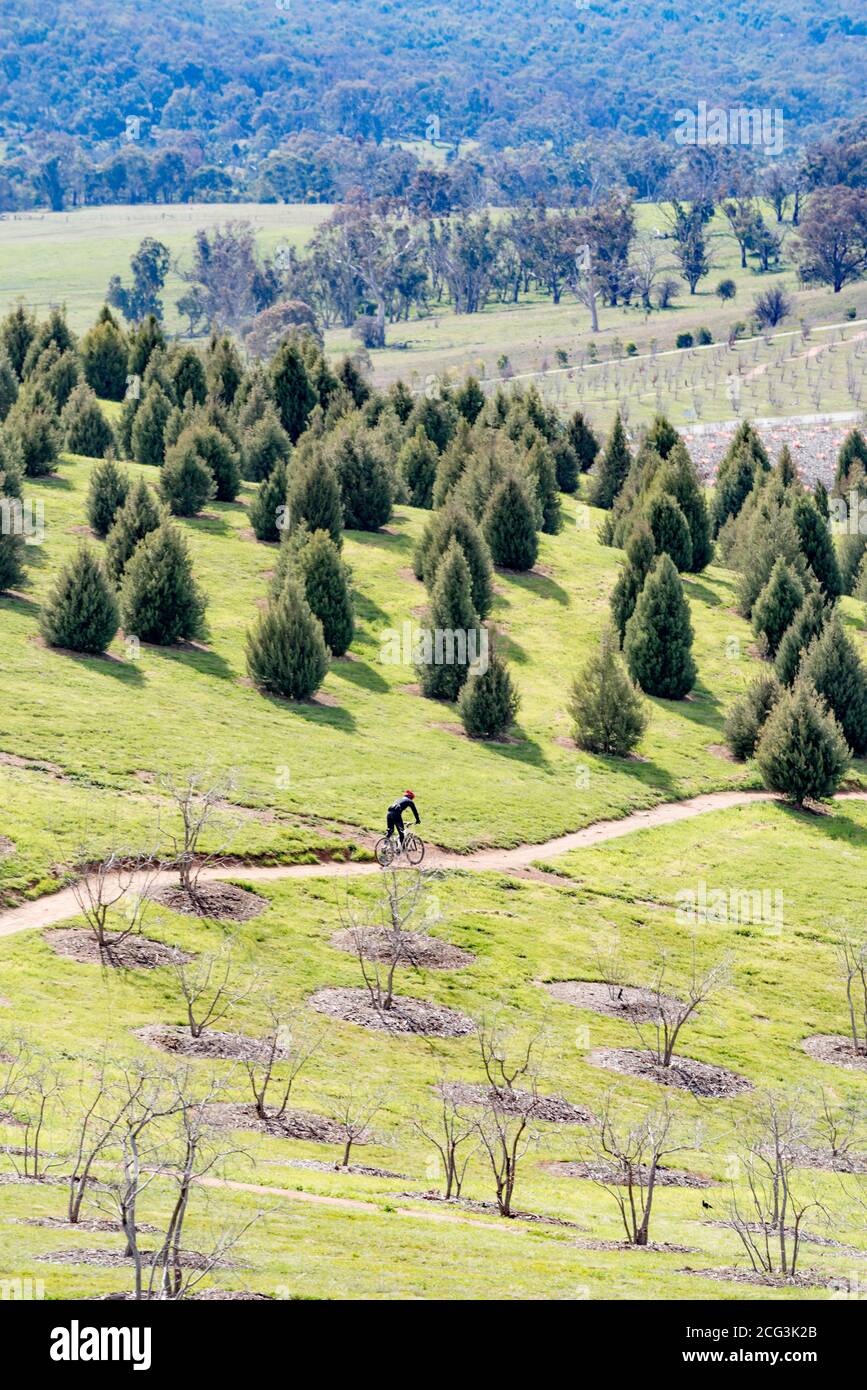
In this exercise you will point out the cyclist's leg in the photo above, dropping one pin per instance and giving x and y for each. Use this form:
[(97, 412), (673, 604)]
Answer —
[(389, 821), (398, 820)]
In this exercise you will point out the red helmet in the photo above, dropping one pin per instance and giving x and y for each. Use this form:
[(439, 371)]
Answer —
[(410, 794)]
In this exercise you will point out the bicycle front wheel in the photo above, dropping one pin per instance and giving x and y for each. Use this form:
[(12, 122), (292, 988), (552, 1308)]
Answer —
[(384, 851), (414, 849)]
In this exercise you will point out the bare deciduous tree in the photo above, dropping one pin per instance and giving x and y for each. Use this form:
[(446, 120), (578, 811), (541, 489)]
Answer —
[(453, 1130), (289, 1044), (508, 1125), (200, 801), (630, 1154), (852, 955), (211, 987), (671, 1014), (769, 1218), (385, 936), (115, 888), (354, 1111)]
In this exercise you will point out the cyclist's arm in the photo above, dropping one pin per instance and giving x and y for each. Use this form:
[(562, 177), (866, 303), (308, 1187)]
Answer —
[(415, 813)]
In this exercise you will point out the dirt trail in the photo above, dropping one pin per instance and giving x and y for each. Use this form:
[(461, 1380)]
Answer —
[(59, 907)]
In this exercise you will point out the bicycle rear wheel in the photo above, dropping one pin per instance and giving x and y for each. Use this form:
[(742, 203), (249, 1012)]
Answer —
[(385, 851)]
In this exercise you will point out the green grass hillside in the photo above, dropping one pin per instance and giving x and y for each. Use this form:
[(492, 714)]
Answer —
[(83, 740)]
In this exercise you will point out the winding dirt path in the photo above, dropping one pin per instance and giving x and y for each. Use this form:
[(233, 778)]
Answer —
[(47, 911)]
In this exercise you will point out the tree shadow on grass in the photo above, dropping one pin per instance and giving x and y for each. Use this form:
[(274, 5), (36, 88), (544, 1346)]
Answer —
[(834, 825), (538, 584), (327, 716), (13, 601), (522, 750), (106, 665), (360, 673), (200, 658)]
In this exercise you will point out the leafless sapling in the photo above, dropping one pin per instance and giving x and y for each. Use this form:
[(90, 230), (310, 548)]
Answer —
[(629, 1153)]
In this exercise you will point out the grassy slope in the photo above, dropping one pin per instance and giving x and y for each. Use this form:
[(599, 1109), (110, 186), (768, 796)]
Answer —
[(100, 722), (784, 988)]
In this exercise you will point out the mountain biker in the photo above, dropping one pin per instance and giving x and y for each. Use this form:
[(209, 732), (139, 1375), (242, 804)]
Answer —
[(394, 815)]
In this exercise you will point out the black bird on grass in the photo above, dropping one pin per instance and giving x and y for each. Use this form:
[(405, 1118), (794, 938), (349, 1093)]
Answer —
[(707, 1206)]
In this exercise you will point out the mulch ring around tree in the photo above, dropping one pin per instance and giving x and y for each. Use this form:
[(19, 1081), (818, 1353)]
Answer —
[(810, 1279), (626, 1245), (489, 1208), (550, 1109), (700, 1078), (206, 1295), (609, 1173), (829, 1162), (805, 1237), (212, 1043), (833, 1048), (7, 846), (125, 953), (224, 902), (418, 949), (91, 1223), (354, 1170), (631, 1002), (292, 1124), (405, 1016), (119, 1259)]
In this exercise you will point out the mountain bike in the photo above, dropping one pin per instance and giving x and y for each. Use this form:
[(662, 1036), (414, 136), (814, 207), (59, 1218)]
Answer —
[(390, 851)]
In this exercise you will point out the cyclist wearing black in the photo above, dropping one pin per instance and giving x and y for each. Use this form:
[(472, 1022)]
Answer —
[(394, 816)]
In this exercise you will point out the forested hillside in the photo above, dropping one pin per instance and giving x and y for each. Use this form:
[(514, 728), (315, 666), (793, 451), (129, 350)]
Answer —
[(213, 91)]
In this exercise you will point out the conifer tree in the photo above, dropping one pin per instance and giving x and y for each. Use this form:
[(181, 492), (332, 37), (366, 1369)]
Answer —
[(670, 531), (835, 670), (81, 612), (509, 526), (612, 468), (748, 715), (286, 651), (215, 447), (817, 545), (777, 604), (11, 539), (470, 400), (454, 523), (8, 385), (489, 701), (565, 464), (850, 554), (584, 443), (107, 491), (159, 598), (417, 465), (662, 436), (452, 463), (607, 711), (851, 460), (735, 479), (785, 470), (225, 371), (104, 352), (542, 476), (17, 331), (145, 339), (366, 485), (267, 509), (640, 555), (820, 497), (186, 482), (314, 497), (265, 445), (187, 376), (802, 752), (679, 478), (32, 431), (658, 642), (139, 514), (452, 612), (148, 425), (325, 579), (85, 428), (807, 623), (290, 386)]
